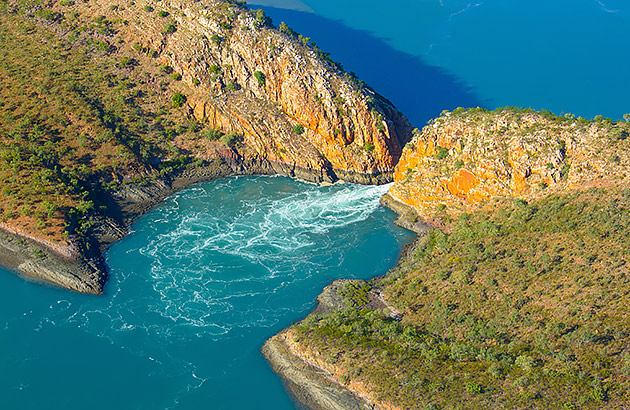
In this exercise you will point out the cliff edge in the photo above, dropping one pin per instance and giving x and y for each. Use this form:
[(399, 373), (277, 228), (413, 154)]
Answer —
[(111, 106), (465, 159), (519, 298)]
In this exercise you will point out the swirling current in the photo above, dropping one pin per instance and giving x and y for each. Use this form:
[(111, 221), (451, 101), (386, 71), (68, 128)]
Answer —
[(194, 290)]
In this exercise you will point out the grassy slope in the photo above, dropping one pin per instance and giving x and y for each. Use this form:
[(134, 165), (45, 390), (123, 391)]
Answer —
[(521, 306), (76, 114)]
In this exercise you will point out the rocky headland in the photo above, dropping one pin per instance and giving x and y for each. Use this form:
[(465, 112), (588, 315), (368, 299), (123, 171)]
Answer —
[(513, 295), (465, 159), (517, 300), (144, 99)]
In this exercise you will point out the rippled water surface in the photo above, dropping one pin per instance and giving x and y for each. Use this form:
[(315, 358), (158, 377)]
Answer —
[(194, 291)]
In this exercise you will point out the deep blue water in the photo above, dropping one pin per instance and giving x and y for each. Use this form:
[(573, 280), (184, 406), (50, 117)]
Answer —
[(194, 291), (430, 55)]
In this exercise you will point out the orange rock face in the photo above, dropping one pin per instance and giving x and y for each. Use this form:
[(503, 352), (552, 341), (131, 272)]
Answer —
[(289, 104), (463, 159)]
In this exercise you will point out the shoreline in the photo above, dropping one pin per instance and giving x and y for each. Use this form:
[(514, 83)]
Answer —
[(68, 267), (311, 385)]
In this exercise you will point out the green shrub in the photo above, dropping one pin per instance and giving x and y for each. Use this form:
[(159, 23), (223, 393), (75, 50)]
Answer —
[(260, 77), (305, 40), (355, 293), (176, 76), (442, 274), (527, 363), (231, 85), (216, 39), (163, 13), (178, 99), (441, 152), (474, 388), (212, 135), (124, 62), (169, 29), (261, 19), (283, 27), (148, 8), (369, 147), (231, 140), (298, 129)]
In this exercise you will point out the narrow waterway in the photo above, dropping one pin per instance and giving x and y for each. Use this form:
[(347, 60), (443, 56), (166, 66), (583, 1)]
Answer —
[(195, 290)]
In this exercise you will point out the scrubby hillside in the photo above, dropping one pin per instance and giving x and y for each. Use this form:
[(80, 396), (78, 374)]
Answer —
[(521, 300)]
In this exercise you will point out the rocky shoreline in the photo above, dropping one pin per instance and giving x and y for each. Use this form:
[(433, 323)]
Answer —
[(309, 384), (85, 270)]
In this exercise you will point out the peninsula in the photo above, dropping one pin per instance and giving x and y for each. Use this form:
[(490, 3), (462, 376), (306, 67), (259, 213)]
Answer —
[(515, 292), (107, 108)]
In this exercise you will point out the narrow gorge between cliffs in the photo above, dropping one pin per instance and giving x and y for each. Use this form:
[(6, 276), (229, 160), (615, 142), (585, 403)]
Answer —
[(211, 273)]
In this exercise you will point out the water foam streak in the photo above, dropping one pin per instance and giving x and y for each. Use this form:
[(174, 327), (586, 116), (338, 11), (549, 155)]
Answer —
[(217, 263)]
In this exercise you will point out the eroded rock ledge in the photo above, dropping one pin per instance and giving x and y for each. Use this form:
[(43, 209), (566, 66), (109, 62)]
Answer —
[(465, 159), (308, 382)]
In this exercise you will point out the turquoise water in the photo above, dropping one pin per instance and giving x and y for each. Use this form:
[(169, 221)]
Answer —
[(212, 272), (194, 291), (431, 55)]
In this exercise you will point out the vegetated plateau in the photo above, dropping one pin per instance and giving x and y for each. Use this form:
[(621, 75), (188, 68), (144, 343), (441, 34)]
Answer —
[(520, 298)]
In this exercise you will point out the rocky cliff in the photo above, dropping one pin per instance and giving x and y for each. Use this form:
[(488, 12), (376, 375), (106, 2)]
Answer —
[(534, 214), (108, 103), (466, 158), (287, 100)]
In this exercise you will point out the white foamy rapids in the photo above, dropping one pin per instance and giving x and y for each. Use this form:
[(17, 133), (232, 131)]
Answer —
[(214, 268), (217, 261), (201, 268)]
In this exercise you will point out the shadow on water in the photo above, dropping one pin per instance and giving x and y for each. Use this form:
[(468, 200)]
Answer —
[(419, 90)]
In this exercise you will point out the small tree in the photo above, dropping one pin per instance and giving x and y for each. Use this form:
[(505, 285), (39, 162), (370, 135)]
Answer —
[(169, 29), (178, 100), (298, 129), (262, 19), (231, 140), (260, 77), (283, 27), (441, 152)]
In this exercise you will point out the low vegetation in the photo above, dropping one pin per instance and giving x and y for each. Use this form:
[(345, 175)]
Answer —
[(79, 114), (524, 305)]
